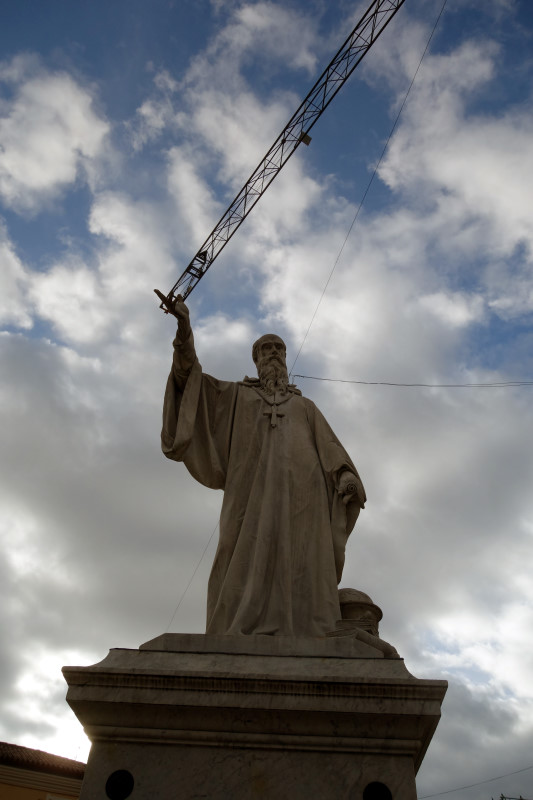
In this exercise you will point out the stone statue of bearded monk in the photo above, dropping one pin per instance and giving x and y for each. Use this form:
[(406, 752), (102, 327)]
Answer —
[(291, 492)]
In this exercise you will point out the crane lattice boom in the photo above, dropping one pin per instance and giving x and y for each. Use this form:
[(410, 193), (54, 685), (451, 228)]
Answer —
[(361, 39)]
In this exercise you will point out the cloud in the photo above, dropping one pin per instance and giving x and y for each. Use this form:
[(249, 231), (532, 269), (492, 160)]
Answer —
[(467, 168), (98, 524), (49, 134), (156, 113), (77, 542), (473, 724), (14, 285), (89, 301), (264, 32), (213, 101), (456, 309), (195, 204), (37, 696)]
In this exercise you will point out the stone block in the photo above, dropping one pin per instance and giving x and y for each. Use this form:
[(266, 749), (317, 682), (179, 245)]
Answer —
[(194, 716)]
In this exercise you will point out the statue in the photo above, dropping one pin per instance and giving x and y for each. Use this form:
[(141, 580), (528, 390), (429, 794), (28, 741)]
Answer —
[(291, 492)]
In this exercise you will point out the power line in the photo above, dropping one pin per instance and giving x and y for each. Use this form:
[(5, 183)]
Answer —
[(191, 579), (479, 783), (368, 185), (491, 385)]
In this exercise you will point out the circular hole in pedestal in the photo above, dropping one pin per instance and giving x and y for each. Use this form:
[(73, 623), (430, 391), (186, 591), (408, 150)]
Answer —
[(377, 791), (119, 785)]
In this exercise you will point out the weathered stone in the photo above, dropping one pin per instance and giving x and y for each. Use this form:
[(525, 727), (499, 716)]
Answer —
[(291, 492), (219, 717)]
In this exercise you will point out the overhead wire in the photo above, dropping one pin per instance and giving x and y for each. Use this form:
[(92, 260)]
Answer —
[(489, 385), (370, 182), (191, 579), (479, 783)]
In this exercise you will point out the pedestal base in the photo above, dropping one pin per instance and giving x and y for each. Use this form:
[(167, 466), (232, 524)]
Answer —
[(219, 717)]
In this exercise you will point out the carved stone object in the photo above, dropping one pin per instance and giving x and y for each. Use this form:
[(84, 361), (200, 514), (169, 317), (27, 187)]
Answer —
[(291, 692), (358, 609), (245, 717), (291, 491)]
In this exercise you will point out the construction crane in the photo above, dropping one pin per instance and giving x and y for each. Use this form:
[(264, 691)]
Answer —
[(368, 29)]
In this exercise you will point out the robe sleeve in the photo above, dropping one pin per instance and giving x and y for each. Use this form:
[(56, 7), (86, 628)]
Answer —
[(198, 413), (335, 461)]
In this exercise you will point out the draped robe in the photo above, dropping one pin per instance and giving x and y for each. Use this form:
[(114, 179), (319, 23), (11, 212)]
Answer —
[(283, 524)]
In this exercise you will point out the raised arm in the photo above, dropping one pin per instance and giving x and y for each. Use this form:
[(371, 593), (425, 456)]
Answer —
[(184, 352)]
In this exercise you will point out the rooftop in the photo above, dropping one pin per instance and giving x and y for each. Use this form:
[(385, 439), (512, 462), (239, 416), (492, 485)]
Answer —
[(14, 755)]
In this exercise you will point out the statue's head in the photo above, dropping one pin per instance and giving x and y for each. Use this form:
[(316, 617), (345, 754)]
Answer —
[(267, 346), (269, 353)]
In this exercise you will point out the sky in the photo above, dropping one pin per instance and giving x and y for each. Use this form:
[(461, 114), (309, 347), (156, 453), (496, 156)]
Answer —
[(126, 129)]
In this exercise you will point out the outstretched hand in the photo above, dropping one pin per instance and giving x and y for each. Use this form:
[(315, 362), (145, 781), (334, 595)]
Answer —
[(178, 309)]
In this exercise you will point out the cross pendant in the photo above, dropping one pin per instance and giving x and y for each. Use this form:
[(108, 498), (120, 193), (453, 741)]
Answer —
[(274, 414)]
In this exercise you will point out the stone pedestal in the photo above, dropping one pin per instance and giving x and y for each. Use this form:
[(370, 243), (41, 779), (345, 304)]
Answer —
[(220, 717)]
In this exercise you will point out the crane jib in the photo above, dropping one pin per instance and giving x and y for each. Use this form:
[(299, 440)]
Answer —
[(368, 29)]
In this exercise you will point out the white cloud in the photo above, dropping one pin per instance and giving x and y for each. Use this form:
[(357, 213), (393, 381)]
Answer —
[(221, 339), (152, 118), (264, 31), (69, 296), (56, 730), (455, 309), (155, 113), (89, 304), (213, 105), (230, 119), (237, 128), (476, 161), (195, 203), (49, 133)]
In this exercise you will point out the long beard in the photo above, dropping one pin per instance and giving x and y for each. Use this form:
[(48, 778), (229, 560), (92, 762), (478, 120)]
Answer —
[(272, 374)]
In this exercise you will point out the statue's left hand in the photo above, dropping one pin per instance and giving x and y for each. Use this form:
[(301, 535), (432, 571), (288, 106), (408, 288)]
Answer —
[(349, 489)]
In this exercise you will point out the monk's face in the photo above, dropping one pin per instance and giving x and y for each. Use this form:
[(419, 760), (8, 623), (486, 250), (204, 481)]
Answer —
[(272, 350)]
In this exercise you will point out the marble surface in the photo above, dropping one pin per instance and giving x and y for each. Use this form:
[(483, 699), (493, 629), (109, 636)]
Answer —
[(349, 647), (292, 494), (199, 714)]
